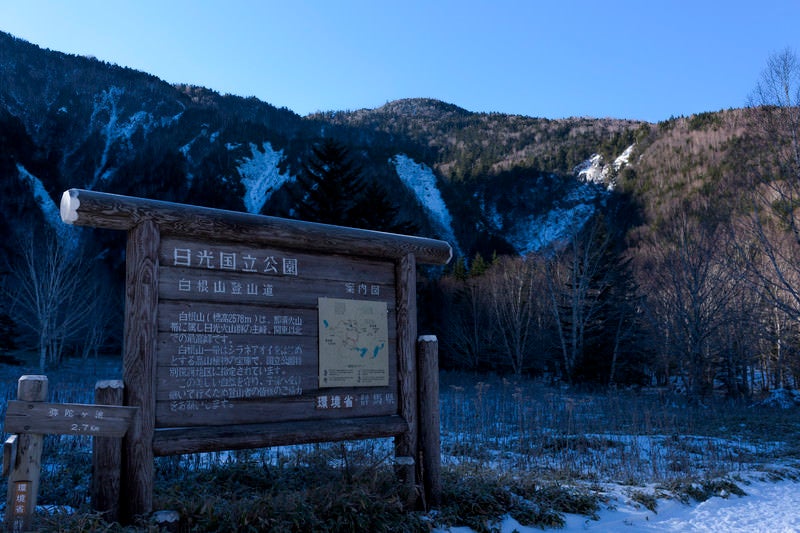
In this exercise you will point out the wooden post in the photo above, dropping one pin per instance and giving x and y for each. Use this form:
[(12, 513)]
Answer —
[(107, 456), (406, 445), (430, 440), (138, 369), (25, 468)]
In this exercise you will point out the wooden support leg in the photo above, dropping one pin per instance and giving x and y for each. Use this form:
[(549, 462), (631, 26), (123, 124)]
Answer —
[(429, 437), (25, 467), (107, 456)]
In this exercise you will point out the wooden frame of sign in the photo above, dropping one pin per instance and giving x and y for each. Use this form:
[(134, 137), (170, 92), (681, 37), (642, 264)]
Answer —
[(246, 331)]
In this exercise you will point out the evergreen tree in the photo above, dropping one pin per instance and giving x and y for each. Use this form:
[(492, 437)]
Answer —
[(330, 186), (332, 190), (377, 212)]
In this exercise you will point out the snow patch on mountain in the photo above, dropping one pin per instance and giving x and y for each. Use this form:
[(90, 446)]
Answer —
[(538, 232), (106, 118), (186, 149), (624, 158), (51, 212), (422, 181), (592, 170), (261, 176), (595, 169)]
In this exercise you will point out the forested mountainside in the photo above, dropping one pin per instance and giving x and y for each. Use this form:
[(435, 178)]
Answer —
[(625, 242), (83, 123)]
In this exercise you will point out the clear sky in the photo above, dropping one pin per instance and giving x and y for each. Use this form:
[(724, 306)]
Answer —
[(644, 59)]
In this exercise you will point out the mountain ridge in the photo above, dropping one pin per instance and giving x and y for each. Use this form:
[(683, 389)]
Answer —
[(99, 125)]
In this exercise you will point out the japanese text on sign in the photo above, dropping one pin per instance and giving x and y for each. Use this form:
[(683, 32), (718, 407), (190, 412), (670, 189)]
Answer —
[(234, 261)]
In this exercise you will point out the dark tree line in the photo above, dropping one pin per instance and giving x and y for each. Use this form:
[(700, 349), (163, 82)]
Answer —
[(332, 189)]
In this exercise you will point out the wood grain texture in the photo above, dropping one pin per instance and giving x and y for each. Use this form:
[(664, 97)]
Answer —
[(138, 372), (23, 477), (68, 419), (429, 436), (235, 437), (406, 444), (110, 211), (106, 456), (204, 284)]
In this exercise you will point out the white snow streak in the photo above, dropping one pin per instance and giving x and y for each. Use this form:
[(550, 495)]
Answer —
[(106, 118), (592, 170), (51, 212), (595, 170), (261, 176), (624, 158), (421, 180)]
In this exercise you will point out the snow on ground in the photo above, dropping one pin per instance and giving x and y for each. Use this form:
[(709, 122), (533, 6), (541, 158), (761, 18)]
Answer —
[(768, 507)]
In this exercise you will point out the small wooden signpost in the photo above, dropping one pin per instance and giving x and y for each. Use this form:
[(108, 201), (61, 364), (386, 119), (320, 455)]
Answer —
[(67, 418), (246, 331), (30, 418)]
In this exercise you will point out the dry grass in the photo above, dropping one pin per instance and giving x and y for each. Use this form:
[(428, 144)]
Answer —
[(509, 447)]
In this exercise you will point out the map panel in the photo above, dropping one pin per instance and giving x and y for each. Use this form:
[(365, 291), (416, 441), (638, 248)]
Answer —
[(353, 343)]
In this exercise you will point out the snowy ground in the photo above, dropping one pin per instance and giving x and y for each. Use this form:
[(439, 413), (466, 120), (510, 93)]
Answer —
[(769, 506), (622, 446)]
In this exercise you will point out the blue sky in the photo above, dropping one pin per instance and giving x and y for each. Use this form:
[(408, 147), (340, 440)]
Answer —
[(624, 59)]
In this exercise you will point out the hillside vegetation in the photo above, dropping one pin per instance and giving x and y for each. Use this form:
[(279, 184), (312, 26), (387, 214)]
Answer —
[(589, 250)]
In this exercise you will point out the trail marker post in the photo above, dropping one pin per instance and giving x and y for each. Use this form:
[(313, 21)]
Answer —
[(29, 418), (247, 331)]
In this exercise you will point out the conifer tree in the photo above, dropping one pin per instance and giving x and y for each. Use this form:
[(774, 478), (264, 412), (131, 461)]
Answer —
[(377, 212), (331, 186), (332, 190)]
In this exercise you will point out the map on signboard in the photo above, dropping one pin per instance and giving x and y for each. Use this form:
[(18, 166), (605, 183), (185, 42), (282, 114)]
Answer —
[(353, 343)]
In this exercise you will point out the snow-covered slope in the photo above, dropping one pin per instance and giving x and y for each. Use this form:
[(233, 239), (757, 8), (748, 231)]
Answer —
[(592, 170), (261, 176), (595, 169), (114, 128), (50, 211), (536, 233), (422, 181)]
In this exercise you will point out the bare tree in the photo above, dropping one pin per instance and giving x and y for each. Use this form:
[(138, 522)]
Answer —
[(52, 294), (518, 313), (770, 235), (691, 285), (775, 108), (577, 277), (467, 335)]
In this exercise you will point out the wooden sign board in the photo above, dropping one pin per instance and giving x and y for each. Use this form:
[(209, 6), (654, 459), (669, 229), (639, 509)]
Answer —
[(246, 331), (67, 419), (239, 335)]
